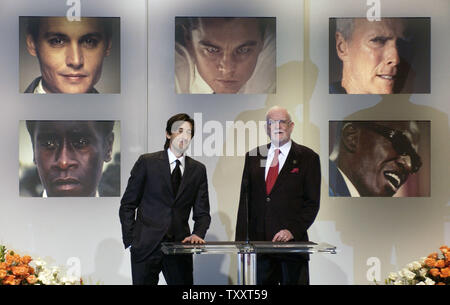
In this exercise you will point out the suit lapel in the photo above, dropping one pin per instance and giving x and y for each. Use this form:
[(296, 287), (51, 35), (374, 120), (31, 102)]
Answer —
[(166, 170), (262, 172), (261, 167)]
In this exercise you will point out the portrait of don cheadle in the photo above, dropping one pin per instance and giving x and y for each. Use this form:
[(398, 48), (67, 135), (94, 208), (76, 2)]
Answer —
[(379, 159), (58, 55), (69, 158), (388, 56), (216, 55)]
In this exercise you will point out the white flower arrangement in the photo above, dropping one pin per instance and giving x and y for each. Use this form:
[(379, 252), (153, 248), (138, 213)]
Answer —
[(431, 270), (53, 275)]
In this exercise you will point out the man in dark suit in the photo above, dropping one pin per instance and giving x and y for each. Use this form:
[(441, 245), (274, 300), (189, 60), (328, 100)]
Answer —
[(281, 183), (163, 187)]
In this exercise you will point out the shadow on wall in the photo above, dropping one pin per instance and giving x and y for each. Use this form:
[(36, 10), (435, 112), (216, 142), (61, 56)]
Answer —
[(108, 260), (293, 93), (325, 268)]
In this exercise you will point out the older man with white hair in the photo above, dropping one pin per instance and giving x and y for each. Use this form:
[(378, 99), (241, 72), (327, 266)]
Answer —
[(281, 183)]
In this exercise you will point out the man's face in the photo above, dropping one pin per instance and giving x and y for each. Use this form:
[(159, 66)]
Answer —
[(180, 138), (70, 53), (279, 126), (370, 56), (69, 156), (226, 51), (380, 170)]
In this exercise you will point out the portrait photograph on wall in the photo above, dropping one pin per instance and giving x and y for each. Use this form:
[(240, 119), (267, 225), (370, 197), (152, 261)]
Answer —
[(57, 55), (215, 55), (388, 56), (69, 158), (379, 159)]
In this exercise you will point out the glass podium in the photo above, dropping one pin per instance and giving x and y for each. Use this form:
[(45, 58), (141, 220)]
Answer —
[(246, 252)]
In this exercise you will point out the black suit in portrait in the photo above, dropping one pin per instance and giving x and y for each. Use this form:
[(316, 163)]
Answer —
[(292, 204), (162, 216)]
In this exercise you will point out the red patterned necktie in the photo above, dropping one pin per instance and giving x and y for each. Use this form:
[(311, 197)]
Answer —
[(273, 172)]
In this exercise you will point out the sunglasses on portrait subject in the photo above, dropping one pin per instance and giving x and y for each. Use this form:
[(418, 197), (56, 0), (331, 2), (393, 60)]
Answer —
[(400, 142)]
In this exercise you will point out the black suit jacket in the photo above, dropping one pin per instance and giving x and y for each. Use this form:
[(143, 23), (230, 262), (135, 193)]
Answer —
[(292, 204), (149, 191)]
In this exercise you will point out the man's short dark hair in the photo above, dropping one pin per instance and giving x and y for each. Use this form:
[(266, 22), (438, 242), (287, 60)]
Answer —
[(188, 24), (33, 25), (103, 127), (183, 117)]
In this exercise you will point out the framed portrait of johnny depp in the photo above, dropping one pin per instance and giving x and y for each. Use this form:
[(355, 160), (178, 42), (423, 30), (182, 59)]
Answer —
[(225, 55), (388, 56), (69, 158), (379, 159), (57, 55)]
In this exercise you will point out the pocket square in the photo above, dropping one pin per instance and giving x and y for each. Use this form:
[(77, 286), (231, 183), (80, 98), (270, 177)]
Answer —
[(295, 170)]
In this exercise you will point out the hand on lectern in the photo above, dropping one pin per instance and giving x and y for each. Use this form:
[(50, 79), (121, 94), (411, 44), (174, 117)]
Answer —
[(193, 239), (283, 235)]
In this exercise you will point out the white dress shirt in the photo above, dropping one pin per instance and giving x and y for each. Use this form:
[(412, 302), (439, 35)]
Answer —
[(351, 188), (173, 161), (44, 194), (39, 88), (284, 151)]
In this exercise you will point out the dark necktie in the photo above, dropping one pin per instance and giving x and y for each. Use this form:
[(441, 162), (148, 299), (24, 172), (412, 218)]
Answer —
[(176, 177), (273, 172)]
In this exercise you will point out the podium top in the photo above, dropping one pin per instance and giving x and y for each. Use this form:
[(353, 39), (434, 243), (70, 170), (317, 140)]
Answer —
[(239, 247)]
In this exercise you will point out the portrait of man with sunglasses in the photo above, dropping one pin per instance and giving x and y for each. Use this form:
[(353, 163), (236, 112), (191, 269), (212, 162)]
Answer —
[(373, 158)]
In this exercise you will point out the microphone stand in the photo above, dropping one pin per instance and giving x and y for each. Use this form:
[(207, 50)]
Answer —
[(247, 237)]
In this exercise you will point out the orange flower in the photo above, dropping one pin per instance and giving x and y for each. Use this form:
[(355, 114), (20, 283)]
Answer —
[(12, 258), (444, 249), (2, 274), (20, 270), (434, 272), (440, 284), (447, 256), (26, 259), (445, 272), (32, 279), (9, 259), (430, 262), (9, 280), (433, 255), (440, 264), (3, 265), (30, 270)]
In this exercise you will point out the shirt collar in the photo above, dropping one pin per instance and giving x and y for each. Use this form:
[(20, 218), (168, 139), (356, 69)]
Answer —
[(39, 88), (173, 158), (284, 149), (199, 85), (351, 188), (44, 194)]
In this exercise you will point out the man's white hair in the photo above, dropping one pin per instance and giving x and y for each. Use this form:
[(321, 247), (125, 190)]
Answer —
[(345, 26), (278, 107)]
